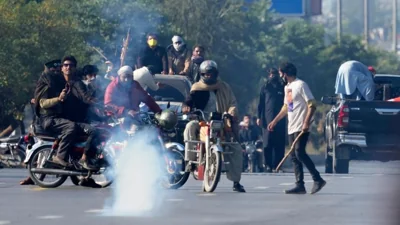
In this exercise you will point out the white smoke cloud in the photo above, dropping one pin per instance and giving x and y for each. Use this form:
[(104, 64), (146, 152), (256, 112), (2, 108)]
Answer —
[(137, 190)]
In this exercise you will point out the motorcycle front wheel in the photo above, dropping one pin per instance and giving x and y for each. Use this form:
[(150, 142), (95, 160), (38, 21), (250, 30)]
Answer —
[(213, 171), (176, 176), (38, 159)]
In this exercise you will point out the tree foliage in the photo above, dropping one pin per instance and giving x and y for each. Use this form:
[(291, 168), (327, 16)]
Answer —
[(244, 39)]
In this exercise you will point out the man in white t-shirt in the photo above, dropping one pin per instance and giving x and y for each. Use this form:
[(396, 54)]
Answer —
[(299, 105)]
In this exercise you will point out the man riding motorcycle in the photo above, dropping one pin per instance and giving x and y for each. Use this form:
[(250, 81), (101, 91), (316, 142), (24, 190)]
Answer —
[(61, 105), (211, 94), (124, 95)]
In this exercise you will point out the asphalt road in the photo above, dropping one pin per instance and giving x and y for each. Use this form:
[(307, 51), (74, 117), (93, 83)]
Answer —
[(365, 196)]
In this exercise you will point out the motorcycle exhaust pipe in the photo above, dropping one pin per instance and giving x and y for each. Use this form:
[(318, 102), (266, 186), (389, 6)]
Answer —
[(58, 172)]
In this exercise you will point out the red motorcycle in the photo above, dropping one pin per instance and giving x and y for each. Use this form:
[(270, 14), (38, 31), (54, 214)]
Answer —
[(39, 158)]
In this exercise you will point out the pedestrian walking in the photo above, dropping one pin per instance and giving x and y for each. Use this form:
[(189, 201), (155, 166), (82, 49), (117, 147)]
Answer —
[(299, 106)]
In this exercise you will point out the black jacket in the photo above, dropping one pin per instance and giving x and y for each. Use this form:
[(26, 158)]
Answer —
[(248, 135), (77, 102), (48, 86), (270, 102), (198, 99), (156, 57)]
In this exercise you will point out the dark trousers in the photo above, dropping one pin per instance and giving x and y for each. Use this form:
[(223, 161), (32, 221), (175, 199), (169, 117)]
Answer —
[(300, 157), (274, 153), (68, 131), (275, 149)]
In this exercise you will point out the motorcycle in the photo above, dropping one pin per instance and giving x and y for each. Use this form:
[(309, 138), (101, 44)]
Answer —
[(171, 152), (12, 148), (254, 156), (12, 152), (208, 165), (39, 158)]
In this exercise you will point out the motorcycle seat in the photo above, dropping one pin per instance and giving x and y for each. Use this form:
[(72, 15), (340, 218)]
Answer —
[(40, 133), (9, 140)]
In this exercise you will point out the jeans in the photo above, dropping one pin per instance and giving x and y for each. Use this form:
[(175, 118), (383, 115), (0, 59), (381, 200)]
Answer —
[(300, 157)]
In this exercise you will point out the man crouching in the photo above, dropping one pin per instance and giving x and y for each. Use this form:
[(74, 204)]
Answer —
[(211, 94)]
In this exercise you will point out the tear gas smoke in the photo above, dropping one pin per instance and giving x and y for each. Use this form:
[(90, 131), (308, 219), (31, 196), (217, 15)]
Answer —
[(137, 190)]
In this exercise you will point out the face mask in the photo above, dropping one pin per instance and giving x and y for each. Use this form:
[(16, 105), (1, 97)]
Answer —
[(178, 46), (273, 79), (152, 43), (284, 80), (210, 80), (126, 85), (198, 59)]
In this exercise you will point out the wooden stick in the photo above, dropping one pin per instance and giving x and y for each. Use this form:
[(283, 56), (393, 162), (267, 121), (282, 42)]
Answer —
[(98, 51), (290, 151)]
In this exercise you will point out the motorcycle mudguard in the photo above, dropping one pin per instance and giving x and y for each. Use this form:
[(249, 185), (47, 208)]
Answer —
[(178, 146), (35, 147), (217, 148)]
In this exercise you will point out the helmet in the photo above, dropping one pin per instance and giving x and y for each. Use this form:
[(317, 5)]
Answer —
[(167, 119), (209, 67)]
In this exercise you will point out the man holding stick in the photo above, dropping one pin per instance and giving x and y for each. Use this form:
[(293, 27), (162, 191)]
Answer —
[(299, 105)]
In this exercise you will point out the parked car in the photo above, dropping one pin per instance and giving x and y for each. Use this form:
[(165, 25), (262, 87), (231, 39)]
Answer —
[(363, 130)]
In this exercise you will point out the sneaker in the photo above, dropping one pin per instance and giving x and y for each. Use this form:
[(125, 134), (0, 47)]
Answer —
[(238, 187), (59, 161), (296, 190), (318, 185), (87, 165)]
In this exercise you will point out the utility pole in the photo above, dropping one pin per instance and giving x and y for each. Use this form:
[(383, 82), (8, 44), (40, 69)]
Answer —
[(394, 26), (339, 20), (366, 22)]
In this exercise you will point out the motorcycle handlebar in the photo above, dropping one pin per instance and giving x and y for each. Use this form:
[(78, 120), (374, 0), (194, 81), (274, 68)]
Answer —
[(200, 113)]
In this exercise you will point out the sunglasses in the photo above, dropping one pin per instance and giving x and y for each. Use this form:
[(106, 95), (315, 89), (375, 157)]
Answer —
[(68, 65)]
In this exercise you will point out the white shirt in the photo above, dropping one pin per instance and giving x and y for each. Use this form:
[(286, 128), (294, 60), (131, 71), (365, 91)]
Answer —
[(145, 79), (297, 94)]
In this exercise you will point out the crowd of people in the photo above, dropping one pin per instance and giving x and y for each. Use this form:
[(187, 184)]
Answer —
[(63, 103)]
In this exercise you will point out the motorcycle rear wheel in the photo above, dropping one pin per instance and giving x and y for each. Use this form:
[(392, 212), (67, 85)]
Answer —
[(214, 167), (32, 164)]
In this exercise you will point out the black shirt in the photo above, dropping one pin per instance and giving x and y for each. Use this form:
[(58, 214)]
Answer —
[(156, 57)]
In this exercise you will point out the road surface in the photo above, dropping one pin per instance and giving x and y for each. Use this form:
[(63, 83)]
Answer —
[(365, 196)]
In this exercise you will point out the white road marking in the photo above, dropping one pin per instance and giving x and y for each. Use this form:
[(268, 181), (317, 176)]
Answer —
[(376, 174), (3, 222), (206, 194), (346, 177), (94, 211), (50, 217), (261, 188), (286, 184), (174, 200)]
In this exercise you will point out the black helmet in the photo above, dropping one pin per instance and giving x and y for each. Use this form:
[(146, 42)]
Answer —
[(209, 67), (167, 119)]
